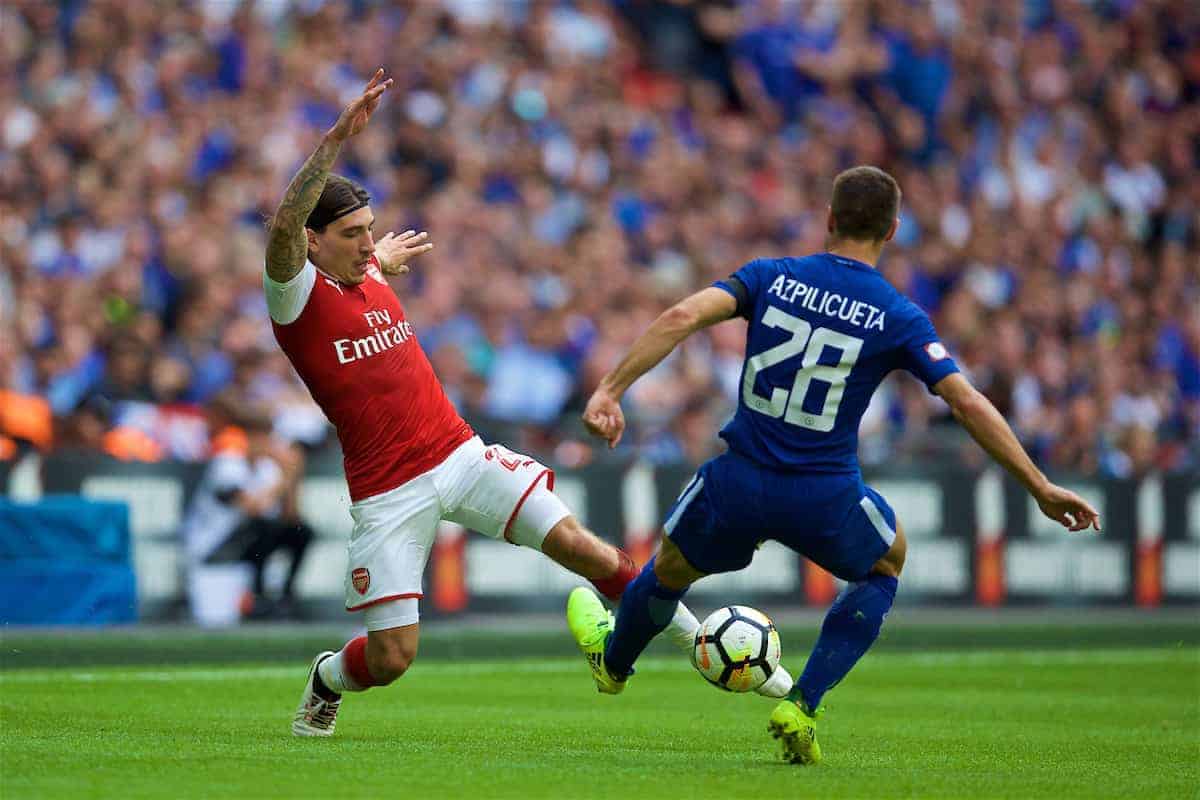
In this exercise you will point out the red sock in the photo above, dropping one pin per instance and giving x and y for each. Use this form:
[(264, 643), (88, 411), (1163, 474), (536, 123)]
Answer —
[(613, 586), (354, 657)]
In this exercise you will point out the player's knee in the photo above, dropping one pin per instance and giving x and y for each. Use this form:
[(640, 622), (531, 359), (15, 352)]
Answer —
[(389, 667), (567, 538), (672, 569), (390, 659)]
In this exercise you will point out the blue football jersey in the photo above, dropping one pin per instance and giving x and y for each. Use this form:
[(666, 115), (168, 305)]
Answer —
[(824, 331)]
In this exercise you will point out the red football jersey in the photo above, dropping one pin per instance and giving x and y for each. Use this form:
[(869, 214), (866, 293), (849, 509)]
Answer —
[(360, 359)]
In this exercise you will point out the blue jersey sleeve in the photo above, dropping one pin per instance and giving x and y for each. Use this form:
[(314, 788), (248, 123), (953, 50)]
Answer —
[(923, 354), (746, 284)]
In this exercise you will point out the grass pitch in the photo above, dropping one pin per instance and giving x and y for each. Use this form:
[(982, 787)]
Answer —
[(1113, 723)]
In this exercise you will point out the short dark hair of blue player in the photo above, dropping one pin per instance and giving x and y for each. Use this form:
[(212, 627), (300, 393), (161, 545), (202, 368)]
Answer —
[(865, 203)]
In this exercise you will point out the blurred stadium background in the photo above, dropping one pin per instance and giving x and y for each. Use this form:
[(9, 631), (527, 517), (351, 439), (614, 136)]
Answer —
[(579, 165)]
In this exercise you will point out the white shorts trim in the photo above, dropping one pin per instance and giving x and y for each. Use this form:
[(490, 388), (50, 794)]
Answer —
[(536, 516), (392, 614)]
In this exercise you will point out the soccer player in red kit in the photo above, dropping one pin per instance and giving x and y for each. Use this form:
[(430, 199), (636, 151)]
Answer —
[(410, 459)]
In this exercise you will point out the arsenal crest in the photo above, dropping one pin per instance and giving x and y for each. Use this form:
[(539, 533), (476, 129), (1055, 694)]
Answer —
[(361, 579)]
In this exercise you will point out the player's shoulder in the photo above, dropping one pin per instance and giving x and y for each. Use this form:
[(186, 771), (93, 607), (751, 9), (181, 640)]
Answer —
[(908, 319), (900, 303), (903, 315), (906, 308), (800, 263), (775, 266), (302, 275), (286, 301)]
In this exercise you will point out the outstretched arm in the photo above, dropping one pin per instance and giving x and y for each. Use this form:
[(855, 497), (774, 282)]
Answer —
[(987, 427), (603, 416), (287, 243)]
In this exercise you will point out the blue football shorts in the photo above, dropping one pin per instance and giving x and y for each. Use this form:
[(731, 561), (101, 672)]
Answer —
[(732, 505)]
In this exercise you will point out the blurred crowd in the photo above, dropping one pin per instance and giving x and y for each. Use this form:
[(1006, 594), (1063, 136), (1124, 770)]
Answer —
[(581, 164)]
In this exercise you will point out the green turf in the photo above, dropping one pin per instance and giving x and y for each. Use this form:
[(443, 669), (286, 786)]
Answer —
[(908, 630), (1120, 723)]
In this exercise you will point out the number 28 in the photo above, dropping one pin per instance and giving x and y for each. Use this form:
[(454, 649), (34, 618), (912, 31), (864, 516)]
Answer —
[(790, 404)]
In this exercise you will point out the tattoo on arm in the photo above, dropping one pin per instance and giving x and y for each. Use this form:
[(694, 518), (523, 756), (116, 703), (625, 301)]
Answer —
[(287, 244)]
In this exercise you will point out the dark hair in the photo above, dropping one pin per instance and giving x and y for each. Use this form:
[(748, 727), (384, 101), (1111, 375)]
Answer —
[(340, 197), (865, 201)]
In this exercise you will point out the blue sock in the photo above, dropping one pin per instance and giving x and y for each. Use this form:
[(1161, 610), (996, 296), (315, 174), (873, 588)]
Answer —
[(850, 628), (646, 609)]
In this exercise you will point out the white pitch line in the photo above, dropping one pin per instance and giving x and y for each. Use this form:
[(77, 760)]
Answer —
[(561, 666)]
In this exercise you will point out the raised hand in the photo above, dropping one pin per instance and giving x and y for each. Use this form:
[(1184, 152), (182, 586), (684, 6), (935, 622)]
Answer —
[(604, 418), (356, 115), (287, 244), (394, 252)]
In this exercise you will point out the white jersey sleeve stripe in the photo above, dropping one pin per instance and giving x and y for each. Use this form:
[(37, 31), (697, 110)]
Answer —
[(287, 300)]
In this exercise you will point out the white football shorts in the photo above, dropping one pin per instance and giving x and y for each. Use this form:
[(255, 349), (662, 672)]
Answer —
[(486, 488)]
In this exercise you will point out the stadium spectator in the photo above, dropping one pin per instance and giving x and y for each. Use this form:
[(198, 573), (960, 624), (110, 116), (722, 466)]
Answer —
[(244, 511), (581, 164)]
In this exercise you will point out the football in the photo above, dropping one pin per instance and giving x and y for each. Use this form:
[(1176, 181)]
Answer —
[(736, 648)]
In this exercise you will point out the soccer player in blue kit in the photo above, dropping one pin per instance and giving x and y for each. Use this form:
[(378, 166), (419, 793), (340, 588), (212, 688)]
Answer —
[(824, 330)]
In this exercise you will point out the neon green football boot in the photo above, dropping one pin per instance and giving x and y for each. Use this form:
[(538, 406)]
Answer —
[(797, 732), (591, 624)]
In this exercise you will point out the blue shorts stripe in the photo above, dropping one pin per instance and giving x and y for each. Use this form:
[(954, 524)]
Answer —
[(688, 487), (877, 519), (681, 506)]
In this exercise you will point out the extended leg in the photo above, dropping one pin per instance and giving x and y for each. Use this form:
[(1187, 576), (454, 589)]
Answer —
[(610, 570), (649, 604), (849, 630), (851, 627), (377, 659)]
